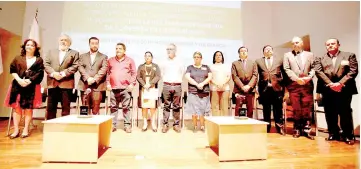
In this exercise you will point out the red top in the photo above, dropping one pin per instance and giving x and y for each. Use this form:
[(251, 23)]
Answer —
[(121, 73)]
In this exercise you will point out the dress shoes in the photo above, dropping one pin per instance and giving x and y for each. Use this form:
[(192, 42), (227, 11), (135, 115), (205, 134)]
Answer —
[(333, 138)]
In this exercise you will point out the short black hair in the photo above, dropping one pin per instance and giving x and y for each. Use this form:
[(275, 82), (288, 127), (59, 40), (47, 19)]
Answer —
[(94, 38), (338, 42), (264, 47), (239, 49)]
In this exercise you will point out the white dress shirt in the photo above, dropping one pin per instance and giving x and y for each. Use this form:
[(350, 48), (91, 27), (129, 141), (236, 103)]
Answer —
[(172, 70), (92, 57)]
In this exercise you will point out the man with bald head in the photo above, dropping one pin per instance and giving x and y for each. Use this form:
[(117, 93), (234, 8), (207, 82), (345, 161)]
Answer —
[(336, 71), (60, 65), (298, 65)]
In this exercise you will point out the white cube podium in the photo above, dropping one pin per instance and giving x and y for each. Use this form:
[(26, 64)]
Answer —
[(237, 139), (74, 139)]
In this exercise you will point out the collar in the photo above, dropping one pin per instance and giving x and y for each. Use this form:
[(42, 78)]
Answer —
[(269, 57), (124, 57), (296, 53), (95, 53), (331, 56)]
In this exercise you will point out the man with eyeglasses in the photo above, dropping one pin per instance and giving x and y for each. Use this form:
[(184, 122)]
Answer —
[(172, 70)]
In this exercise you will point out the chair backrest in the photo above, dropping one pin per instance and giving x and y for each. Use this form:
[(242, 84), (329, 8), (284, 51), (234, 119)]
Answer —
[(74, 96)]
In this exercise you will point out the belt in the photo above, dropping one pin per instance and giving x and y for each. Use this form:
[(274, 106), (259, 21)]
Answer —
[(172, 84)]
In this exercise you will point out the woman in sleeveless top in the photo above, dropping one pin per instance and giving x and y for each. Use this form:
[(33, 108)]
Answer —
[(148, 76)]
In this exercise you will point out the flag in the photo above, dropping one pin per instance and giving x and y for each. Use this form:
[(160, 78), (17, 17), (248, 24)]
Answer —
[(1, 62), (35, 31)]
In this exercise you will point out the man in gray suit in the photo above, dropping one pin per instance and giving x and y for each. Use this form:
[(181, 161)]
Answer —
[(93, 67), (60, 66), (244, 75), (298, 65), (336, 72)]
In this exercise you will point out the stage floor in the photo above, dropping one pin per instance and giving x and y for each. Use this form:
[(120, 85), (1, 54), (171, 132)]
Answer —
[(186, 150)]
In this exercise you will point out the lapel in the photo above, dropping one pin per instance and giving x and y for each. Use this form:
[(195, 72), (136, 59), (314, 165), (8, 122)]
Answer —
[(274, 62), (23, 63), (264, 63), (338, 62), (307, 62), (66, 55)]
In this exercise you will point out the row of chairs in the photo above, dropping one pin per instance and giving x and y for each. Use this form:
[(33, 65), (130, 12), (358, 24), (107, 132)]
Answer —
[(75, 99), (76, 103)]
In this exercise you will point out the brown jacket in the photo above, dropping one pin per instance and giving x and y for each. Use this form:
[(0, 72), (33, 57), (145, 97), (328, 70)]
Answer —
[(69, 65), (97, 70), (242, 77)]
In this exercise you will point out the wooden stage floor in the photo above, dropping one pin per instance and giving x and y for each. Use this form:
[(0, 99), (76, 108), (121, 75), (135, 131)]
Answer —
[(186, 150)]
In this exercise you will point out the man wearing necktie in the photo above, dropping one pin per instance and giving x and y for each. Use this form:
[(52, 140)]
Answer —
[(244, 75), (336, 72), (271, 87), (60, 65), (298, 65), (93, 67)]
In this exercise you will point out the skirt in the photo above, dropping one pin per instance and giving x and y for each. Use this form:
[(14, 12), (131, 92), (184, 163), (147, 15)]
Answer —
[(197, 106), (37, 102)]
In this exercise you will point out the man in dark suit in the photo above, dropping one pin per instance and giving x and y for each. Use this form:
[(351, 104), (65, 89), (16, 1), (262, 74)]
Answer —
[(336, 71), (244, 75), (60, 66), (93, 67), (271, 87), (298, 65)]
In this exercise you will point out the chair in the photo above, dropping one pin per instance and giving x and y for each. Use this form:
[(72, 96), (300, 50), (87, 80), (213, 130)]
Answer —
[(104, 100), (182, 103), (287, 109), (158, 105), (131, 107), (22, 120)]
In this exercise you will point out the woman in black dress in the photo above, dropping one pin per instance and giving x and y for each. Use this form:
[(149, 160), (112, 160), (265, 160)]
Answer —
[(25, 91)]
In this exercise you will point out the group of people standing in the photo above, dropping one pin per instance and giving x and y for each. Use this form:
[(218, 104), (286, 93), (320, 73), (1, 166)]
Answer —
[(273, 79)]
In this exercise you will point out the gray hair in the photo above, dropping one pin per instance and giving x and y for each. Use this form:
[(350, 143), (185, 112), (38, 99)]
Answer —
[(67, 37)]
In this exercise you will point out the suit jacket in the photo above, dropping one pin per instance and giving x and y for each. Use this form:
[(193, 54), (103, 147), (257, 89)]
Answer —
[(69, 66), (155, 75), (35, 73), (97, 70), (242, 77), (294, 69), (274, 75), (344, 71)]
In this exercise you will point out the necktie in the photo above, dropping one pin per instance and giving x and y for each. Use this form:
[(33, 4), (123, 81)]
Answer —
[(268, 63)]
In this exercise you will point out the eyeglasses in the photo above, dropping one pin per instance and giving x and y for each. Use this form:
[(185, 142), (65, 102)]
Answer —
[(170, 49), (197, 57)]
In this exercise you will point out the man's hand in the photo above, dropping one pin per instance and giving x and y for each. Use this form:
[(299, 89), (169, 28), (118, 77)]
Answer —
[(306, 79), (57, 76), (90, 80), (130, 88), (147, 86), (246, 88), (200, 86), (300, 81), (109, 87)]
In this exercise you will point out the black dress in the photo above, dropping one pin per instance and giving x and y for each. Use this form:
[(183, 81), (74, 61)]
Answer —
[(26, 95)]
